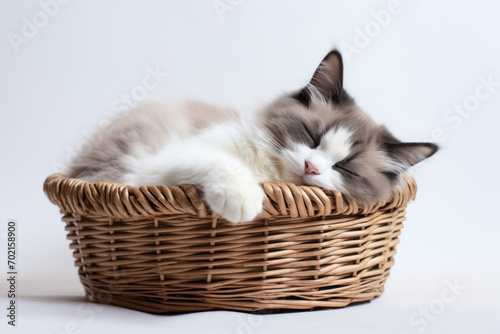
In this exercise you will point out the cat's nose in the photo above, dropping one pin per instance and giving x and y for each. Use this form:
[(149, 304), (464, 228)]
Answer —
[(310, 168)]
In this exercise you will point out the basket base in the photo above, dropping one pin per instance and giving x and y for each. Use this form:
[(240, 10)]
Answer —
[(177, 303)]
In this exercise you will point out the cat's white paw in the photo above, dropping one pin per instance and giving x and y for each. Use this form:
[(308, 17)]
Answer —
[(236, 202)]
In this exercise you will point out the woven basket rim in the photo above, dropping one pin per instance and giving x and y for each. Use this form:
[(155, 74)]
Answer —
[(121, 201)]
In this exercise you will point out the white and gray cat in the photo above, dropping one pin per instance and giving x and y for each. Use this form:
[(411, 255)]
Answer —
[(316, 136)]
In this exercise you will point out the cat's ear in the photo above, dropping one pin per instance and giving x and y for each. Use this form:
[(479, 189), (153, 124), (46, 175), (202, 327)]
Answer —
[(409, 154), (326, 82)]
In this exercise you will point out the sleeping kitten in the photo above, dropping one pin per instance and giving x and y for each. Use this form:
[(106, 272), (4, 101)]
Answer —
[(316, 136)]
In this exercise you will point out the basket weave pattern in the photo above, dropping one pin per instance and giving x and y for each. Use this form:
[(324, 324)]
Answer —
[(160, 249)]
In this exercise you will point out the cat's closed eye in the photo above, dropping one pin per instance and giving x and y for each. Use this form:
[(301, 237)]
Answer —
[(312, 141), (343, 168)]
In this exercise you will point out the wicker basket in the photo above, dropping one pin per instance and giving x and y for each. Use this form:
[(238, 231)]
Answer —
[(160, 249)]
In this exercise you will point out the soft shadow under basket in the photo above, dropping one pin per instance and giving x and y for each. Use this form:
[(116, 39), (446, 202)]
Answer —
[(160, 249)]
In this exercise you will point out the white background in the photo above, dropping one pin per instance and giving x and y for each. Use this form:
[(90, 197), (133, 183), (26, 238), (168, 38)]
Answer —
[(430, 57)]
